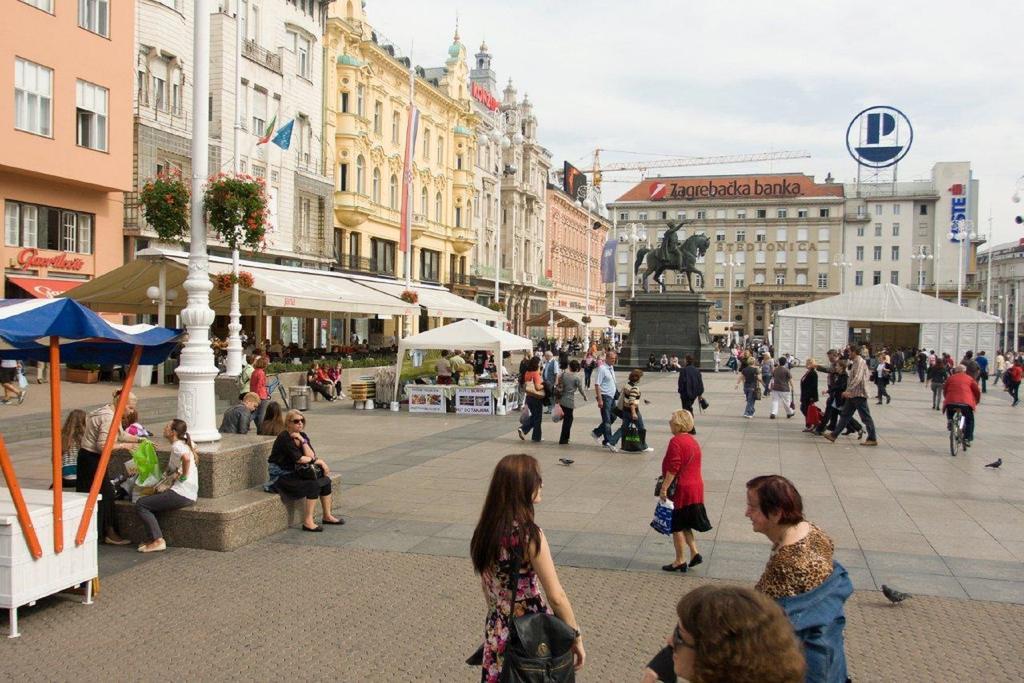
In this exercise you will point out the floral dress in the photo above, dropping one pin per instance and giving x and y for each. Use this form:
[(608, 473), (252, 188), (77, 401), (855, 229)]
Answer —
[(496, 628)]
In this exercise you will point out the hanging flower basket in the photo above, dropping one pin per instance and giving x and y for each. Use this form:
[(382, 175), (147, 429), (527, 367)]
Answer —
[(164, 202), (410, 297), (224, 281), (612, 322), (587, 320), (236, 209), (496, 306)]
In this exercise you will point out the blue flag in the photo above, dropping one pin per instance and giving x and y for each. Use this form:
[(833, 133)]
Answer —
[(283, 139), (608, 261)]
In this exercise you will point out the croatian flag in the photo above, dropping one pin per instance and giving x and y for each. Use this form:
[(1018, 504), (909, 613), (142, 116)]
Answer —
[(410, 148)]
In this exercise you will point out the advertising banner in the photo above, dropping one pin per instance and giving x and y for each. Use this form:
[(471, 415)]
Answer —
[(426, 399), (608, 261), (572, 180), (474, 401)]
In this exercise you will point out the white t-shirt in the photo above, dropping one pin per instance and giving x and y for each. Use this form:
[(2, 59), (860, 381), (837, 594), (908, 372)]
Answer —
[(190, 487)]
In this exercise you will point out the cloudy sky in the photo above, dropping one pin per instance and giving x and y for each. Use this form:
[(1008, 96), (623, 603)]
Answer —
[(711, 78)]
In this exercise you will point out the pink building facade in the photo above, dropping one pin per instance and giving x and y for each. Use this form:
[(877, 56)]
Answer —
[(65, 141)]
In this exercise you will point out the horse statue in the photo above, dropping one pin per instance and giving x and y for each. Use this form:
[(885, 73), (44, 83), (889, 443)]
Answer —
[(671, 255)]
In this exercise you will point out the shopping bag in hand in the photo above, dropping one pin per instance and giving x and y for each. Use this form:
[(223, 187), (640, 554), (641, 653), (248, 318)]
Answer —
[(146, 464), (524, 416), (557, 413), (662, 522), (632, 440)]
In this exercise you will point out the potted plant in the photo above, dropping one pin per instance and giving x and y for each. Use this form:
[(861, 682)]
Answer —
[(83, 373), (613, 322), (587, 320), (236, 209), (496, 306), (224, 281), (409, 296), (164, 202)]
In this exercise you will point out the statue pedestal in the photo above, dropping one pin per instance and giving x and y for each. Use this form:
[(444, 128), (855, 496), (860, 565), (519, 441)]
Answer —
[(672, 323)]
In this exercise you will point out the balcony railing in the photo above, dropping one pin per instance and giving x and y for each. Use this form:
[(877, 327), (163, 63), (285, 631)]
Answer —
[(458, 279), (359, 264), (262, 56), (309, 162)]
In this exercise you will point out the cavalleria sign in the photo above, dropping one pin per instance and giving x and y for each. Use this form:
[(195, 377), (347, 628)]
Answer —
[(31, 258), (726, 189)]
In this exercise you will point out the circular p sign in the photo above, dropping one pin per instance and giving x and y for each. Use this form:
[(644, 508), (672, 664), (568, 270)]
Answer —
[(879, 136)]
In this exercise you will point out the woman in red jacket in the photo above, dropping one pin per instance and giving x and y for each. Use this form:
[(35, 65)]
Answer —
[(258, 386), (962, 391), (681, 465)]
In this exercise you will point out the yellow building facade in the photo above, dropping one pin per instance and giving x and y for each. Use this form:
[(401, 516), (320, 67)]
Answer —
[(367, 105)]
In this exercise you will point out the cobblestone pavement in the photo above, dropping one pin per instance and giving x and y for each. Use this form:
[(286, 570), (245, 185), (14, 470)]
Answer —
[(275, 610), (390, 596)]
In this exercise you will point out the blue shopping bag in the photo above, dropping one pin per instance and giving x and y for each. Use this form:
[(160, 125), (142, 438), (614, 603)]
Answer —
[(662, 522)]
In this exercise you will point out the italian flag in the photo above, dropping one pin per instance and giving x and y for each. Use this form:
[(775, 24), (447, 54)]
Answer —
[(270, 131)]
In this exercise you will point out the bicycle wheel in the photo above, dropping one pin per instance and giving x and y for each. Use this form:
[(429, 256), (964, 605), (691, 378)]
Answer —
[(955, 435)]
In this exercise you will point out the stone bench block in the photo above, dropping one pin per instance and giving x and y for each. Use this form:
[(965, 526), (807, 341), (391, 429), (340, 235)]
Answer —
[(224, 523)]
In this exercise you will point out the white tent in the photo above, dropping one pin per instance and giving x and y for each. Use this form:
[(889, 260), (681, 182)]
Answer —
[(811, 329), (464, 334)]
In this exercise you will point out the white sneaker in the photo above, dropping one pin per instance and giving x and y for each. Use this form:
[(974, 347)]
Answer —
[(611, 448), (749, 417), (648, 450)]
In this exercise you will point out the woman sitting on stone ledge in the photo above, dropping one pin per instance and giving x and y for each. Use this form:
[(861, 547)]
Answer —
[(294, 455)]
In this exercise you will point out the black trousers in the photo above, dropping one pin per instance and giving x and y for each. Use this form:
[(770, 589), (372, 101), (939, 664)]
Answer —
[(566, 425), (687, 403), (88, 463)]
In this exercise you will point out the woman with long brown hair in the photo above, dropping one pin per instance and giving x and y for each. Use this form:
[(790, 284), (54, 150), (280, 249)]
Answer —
[(184, 466), (507, 540), (70, 442)]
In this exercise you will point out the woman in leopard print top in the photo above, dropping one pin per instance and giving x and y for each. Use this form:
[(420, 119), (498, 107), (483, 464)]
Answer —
[(801, 558)]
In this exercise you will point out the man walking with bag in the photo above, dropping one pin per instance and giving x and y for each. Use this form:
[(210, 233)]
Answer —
[(690, 385), (856, 396), (604, 390)]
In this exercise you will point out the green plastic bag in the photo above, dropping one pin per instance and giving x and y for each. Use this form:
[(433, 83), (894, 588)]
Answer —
[(146, 464)]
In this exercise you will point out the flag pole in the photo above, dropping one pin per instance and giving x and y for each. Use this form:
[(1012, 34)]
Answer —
[(407, 228)]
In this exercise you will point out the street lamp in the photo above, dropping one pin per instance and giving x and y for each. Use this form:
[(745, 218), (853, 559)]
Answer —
[(505, 122), (730, 264), (842, 265), (921, 256), (960, 233), (632, 238), (586, 199)]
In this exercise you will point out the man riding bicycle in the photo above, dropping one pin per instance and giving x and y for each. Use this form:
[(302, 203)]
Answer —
[(961, 391)]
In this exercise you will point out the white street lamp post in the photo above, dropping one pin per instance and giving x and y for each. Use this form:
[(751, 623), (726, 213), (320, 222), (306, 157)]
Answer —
[(730, 265), (961, 232), (633, 238), (196, 371), (842, 265), (585, 200), (233, 362), (921, 256), (504, 121)]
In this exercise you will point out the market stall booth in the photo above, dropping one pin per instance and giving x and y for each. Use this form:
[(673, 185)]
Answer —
[(468, 335), (56, 330), (883, 314)]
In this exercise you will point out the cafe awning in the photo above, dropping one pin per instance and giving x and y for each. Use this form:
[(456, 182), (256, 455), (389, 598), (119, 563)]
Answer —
[(276, 290), (574, 318), (438, 301), (45, 288)]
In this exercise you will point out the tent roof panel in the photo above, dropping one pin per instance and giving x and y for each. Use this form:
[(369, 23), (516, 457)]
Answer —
[(438, 301), (467, 334), (887, 303)]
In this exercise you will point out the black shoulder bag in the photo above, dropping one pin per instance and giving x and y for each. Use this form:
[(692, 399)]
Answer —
[(539, 647)]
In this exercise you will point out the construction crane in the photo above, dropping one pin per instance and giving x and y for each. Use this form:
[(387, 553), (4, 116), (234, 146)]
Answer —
[(643, 166)]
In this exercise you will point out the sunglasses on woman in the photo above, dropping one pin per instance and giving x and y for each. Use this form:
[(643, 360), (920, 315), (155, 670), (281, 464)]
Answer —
[(299, 421), (677, 640)]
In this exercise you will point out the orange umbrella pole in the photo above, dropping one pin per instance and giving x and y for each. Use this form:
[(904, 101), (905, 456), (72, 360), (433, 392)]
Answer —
[(27, 530), (115, 427), (56, 447)]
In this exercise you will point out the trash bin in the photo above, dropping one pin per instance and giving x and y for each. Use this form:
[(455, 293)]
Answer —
[(298, 397)]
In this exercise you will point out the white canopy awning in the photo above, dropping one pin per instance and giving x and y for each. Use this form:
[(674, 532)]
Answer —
[(278, 290), (438, 301), (887, 303)]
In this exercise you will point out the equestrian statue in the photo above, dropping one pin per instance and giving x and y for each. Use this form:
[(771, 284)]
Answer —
[(671, 255)]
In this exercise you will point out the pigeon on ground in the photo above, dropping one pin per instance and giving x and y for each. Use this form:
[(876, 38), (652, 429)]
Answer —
[(994, 465), (566, 461), (892, 595)]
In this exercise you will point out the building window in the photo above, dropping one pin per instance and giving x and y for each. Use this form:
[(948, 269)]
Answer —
[(760, 236), (343, 177), (780, 277), (823, 213), (860, 231), (378, 116), (45, 5), (876, 277), (382, 256), (923, 210), (354, 245), (360, 175), (920, 279), (438, 207), (878, 209), (822, 280), (664, 215), (701, 214), (759, 257), (823, 256), (877, 253), (741, 235), (895, 254), (741, 213), (393, 192), (741, 257), (426, 144), (424, 203), (801, 213), (395, 123), (740, 281), (720, 235), (720, 257), (259, 110), (681, 215), (801, 257), (458, 216), (440, 149), (302, 52), (376, 186), (91, 116), (430, 265), (642, 216), (343, 102), (33, 90), (858, 278), (759, 277), (801, 234), (894, 277), (719, 280), (780, 256), (860, 253), (896, 229), (780, 235), (94, 15), (45, 227), (824, 234), (623, 280), (801, 278), (360, 100), (761, 213), (623, 215), (895, 209), (780, 213), (878, 229)]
